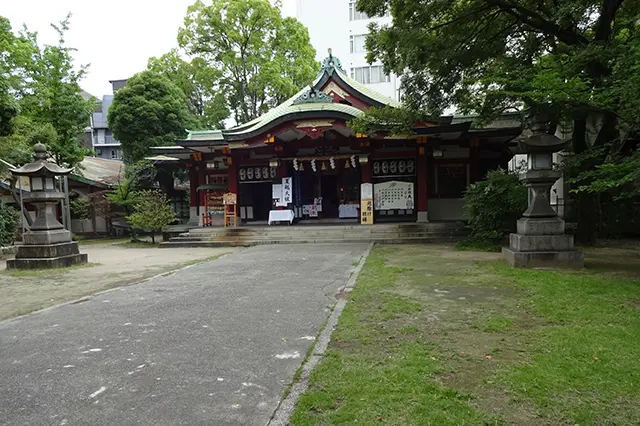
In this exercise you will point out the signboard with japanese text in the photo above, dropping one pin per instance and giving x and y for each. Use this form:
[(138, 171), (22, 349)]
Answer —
[(287, 190), (366, 211), (229, 198), (366, 191), (276, 195), (394, 195)]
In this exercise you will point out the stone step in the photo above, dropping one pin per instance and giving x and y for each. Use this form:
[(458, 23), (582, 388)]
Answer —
[(280, 232), (363, 236), (249, 243)]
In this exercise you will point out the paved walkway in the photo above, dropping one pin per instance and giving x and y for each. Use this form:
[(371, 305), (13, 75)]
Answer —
[(214, 344)]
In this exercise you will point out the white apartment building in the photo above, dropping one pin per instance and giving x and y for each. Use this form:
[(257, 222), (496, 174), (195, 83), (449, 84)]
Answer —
[(337, 25)]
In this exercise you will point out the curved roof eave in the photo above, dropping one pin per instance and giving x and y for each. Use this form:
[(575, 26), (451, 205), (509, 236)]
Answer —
[(283, 105), (371, 96), (345, 113)]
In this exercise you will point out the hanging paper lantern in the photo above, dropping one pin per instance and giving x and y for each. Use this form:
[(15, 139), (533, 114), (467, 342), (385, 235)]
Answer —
[(332, 163)]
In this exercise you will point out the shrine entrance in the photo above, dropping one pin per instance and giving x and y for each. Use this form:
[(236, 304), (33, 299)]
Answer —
[(330, 194)]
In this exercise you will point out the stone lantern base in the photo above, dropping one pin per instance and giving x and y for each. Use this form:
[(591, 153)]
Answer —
[(43, 251), (541, 243)]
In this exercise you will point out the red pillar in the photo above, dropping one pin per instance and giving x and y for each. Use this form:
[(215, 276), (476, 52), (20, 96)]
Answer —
[(202, 168), (365, 171), (421, 184), (232, 177), (282, 169)]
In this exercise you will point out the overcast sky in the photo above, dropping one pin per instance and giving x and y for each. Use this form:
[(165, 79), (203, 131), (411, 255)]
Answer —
[(116, 36)]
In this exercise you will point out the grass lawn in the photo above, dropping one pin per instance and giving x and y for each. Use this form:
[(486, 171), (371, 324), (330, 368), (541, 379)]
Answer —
[(432, 336)]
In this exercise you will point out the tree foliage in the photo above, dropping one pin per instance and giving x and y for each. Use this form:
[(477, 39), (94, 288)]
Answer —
[(570, 61), (197, 80), (80, 207), (260, 58), (9, 224), (149, 111), (493, 205), (152, 212), (40, 96), (619, 177)]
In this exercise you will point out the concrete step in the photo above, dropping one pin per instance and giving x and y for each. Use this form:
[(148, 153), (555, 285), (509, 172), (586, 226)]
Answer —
[(389, 234), (249, 243)]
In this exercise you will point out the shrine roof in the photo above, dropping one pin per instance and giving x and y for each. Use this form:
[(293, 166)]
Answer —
[(304, 102), (276, 116)]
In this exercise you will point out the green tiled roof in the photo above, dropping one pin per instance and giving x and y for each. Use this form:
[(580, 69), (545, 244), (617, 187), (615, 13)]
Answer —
[(276, 113), (288, 107), (205, 135), (368, 91)]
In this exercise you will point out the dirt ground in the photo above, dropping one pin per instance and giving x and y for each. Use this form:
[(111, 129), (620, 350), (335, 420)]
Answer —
[(111, 265)]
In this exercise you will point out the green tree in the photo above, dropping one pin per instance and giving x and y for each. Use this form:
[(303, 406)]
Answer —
[(152, 213), (40, 96), (260, 58), (493, 205), (80, 207), (124, 195), (149, 111), (572, 61), (53, 97), (9, 224), (197, 81)]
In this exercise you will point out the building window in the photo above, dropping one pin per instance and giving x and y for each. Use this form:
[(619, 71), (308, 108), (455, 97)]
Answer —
[(114, 154), (370, 74), (354, 15), (357, 43)]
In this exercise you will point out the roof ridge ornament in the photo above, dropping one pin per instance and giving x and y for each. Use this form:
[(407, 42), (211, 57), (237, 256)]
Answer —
[(313, 96), (331, 62)]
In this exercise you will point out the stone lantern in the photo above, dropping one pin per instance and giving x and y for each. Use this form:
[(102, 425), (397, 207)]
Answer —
[(540, 240), (47, 244)]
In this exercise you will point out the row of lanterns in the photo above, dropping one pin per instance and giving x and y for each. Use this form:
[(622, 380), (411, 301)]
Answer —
[(299, 165)]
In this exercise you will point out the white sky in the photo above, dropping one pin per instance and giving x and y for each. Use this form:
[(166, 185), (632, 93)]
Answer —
[(116, 37)]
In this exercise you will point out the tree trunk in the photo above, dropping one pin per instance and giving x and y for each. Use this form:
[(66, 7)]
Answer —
[(153, 238)]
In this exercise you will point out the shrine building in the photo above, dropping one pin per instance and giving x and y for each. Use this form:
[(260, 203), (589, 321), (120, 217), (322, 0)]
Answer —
[(302, 159)]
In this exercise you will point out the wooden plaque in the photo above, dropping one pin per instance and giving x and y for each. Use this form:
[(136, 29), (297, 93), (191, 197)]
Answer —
[(230, 198)]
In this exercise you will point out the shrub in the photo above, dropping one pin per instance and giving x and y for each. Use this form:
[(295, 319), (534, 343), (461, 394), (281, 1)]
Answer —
[(9, 224), (80, 208), (493, 205), (152, 212)]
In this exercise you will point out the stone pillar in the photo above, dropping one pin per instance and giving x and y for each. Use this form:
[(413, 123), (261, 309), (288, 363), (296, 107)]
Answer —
[(422, 185), (193, 194), (540, 240)]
